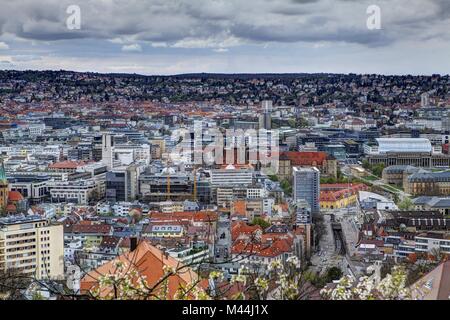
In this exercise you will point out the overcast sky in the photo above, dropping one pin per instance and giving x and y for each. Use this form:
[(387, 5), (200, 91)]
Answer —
[(230, 36)]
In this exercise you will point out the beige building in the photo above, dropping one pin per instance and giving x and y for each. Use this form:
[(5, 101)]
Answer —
[(428, 183), (326, 164), (32, 246), (158, 147)]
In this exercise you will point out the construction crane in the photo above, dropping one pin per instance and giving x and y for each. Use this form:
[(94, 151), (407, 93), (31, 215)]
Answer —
[(168, 187), (195, 185)]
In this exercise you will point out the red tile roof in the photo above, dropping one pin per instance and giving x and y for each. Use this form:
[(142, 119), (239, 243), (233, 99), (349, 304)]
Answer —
[(89, 228), (149, 262), (263, 249), (195, 216), (334, 193), (15, 196), (239, 228), (11, 208), (67, 164)]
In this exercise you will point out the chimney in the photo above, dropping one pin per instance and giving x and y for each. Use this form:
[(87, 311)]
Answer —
[(133, 243)]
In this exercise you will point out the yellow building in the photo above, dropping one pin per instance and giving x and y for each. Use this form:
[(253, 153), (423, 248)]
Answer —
[(339, 195), (330, 201), (171, 206), (32, 246), (93, 241)]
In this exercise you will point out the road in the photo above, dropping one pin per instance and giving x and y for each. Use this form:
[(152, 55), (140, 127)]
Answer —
[(348, 218), (351, 233), (327, 256)]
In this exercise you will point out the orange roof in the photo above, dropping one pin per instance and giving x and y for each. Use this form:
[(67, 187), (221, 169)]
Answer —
[(11, 208), (15, 196), (239, 208), (337, 186), (268, 249), (284, 206), (67, 164), (239, 228), (89, 228), (335, 194), (149, 262), (197, 216)]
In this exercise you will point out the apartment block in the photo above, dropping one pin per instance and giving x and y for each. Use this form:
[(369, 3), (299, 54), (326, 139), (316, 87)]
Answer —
[(33, 246)]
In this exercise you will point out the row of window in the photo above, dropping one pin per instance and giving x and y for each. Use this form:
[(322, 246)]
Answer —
[(20, 235)]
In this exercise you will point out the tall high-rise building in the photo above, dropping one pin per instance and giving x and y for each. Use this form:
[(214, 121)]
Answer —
[(265, 119), (425, 100), (307, 186), (107, 151), (32, 246), (446, 125), (267, 106)]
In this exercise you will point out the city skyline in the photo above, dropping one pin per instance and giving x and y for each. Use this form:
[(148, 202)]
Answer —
[(224, 150)]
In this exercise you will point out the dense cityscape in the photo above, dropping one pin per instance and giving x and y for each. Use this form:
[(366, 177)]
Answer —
[(224, 186), (206, 159)]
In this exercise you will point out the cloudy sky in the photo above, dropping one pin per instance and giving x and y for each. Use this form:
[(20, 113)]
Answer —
[(230, 36)]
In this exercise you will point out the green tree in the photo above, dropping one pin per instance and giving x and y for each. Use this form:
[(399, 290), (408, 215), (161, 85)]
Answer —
[(292, 123), (406, 204), (333, 273), (286, 186), (261, 222), (366, 164), (378, 169)]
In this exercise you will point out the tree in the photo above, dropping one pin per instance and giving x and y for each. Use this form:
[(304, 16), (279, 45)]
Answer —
[(333, 273), (13, 285), (292, 123), (286, 186), (261, 222), (366, 164), (406, 204), (391, 287), (378, 169)]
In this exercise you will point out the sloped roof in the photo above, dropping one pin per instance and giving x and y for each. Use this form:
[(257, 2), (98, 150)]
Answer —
[(435, 285), (264, 249), (67, 164), (239, 228), (15, 196), (149, 262), (89, 228), (197, 216)]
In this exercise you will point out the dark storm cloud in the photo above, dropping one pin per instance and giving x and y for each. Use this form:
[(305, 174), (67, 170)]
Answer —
[(222, 23)]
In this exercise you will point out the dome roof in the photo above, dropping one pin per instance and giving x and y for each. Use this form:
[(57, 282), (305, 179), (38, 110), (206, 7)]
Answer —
[(15, 196)]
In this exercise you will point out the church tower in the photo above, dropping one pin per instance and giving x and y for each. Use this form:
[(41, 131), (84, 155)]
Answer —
[(3, 187), (107, 151)]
